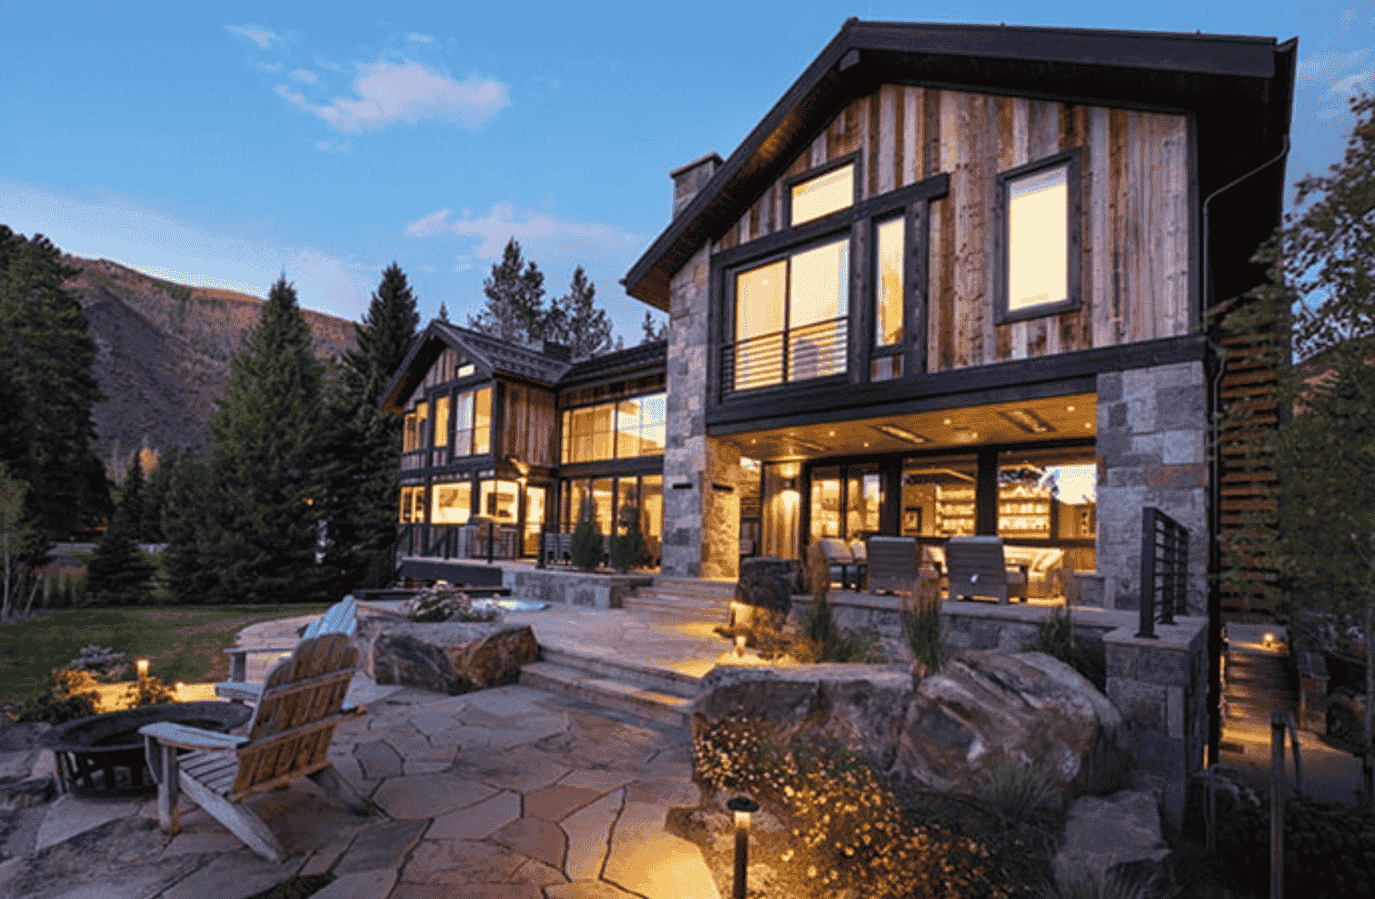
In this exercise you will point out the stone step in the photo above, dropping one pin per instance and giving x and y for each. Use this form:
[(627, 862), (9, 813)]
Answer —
[(608, 693), (660, 680), (695, 585), (655, 600)]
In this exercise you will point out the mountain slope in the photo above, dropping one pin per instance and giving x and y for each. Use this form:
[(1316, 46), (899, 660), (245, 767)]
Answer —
[(162, 355)]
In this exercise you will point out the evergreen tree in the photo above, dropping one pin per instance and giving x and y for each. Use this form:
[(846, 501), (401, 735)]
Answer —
[(627, 549), (653, 331), (17, 537), (575, 321), (515, 300), (364, 443), (155, 495), (190, 526), (119, 574), (264, 477), (46, 353), (586, 546), (133, 500)]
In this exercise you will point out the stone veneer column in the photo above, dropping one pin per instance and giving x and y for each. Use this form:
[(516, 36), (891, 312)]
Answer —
[(701, 499), (1152, 443)]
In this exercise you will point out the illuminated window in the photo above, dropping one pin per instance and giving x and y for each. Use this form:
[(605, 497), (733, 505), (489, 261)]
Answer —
[(414, 435), (441, 421), (790, 317), (499, 500), (412, 505), (453, 502), (1040, 235), (888, 297), (473, 422), (822, 195), (617, 430)]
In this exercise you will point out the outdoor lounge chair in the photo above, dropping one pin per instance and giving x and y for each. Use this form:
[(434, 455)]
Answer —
[(977, 568), (288, 737), (892, 564), (843, 563)]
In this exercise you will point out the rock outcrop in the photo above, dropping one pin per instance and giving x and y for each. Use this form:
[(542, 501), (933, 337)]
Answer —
[(1112, 837), (450, 657), (941, 733)]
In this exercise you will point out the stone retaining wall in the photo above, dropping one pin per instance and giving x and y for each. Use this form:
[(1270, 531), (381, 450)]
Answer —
[(573, 588)]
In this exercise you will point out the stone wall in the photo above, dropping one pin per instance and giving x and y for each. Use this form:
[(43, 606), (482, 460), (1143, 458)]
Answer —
[(1152, 443), (573, 588), (701, 498)]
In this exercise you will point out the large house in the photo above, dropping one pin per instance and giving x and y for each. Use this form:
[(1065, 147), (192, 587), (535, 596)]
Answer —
[(956, 281)]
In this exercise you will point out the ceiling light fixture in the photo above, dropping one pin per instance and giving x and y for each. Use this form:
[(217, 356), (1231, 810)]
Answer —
[(1027, 420), (900, 433)]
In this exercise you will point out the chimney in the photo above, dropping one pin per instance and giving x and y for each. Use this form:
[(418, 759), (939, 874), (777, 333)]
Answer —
[(688, 179), (558, 351)]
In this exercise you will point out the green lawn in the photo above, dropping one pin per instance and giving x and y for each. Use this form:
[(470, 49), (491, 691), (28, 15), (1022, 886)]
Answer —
[(183, 643)]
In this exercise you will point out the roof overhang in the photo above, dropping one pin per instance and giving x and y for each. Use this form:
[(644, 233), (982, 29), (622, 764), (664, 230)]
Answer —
[(1238, 89)]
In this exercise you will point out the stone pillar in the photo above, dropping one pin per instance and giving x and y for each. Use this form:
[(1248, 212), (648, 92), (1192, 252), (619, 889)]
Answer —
[(1152, 445)]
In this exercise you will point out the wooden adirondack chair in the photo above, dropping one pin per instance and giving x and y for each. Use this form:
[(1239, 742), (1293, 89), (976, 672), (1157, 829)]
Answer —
[(341, 618), (288, 737)]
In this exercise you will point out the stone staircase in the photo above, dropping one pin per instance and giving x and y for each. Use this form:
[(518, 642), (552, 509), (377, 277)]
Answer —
[(664, 697), (624, 685), (697, 598), (1255, 681)]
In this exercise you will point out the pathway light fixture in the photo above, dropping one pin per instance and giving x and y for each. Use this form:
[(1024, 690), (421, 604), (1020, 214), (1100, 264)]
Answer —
[(741, 806)]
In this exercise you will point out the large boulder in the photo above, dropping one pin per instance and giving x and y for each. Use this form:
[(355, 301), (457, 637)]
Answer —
[(448, 657), (860, 707), (765, 585), (1114, 837), (1029, 707)]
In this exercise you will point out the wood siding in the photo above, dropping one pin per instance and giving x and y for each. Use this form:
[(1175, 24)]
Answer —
[(529, 424), (1135, 214)]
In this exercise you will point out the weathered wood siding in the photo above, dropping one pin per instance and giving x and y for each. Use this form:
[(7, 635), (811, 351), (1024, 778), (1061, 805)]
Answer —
[(528, 424), (1135, 234)]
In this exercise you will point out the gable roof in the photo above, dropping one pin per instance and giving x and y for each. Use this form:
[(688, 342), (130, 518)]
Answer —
[(1239, 87)]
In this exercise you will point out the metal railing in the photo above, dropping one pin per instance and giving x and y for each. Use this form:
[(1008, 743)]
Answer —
[(1164, 569), (811, 351), (459, 541)]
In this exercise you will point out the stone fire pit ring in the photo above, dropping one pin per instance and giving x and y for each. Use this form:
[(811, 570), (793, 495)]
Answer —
[(102, 755)]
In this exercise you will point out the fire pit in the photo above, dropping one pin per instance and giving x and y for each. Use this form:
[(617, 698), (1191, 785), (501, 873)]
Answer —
[(102, 755)]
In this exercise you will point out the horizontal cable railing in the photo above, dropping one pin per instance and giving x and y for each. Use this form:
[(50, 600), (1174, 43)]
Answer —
[(1164, 569), (811, 351)]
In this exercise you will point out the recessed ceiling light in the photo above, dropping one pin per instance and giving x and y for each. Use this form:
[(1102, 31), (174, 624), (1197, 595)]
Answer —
[(963, 435), (900, 433), (1088, 426), (1069, 408), (830, 433), (866, 444), (947, 421), (1027, 420), (753, 441)]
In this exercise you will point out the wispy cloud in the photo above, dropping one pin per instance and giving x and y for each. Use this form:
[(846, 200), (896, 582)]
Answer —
[(388, 93), (305, 76), (420, 38), (258, 35), (503, 221), (1343, 75)]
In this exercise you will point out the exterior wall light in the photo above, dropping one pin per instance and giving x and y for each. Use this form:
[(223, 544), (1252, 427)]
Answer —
[(1268, 641), (142, 665), (741, 806)]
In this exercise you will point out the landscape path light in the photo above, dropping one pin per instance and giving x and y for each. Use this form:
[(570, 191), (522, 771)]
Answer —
[(142, 665), (741, 806)]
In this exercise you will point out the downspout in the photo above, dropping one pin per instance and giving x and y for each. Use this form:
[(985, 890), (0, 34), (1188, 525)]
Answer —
[(1215, 477)]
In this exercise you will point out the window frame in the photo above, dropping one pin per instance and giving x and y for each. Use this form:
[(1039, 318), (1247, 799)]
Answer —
[(853, 158), (568, 436), (1073, 161)]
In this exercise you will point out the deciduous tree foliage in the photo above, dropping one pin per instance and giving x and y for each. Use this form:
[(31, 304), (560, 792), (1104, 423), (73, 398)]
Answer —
[(364, 443), (47, 390)]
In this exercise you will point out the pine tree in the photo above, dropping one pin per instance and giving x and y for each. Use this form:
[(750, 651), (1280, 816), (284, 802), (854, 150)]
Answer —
[(653, 331), (515, 300), (575, 321), (364, 443), (190, 526), (133, 500), (155, 495), (46, 353), (119, 574), (586, 546), (263, 477)]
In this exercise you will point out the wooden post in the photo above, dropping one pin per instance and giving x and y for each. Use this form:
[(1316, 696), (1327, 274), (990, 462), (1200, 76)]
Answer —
[(1276, 804)]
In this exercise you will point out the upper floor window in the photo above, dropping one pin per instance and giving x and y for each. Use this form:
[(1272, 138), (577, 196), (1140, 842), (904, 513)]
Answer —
[(616, 430), (473, 422), (414, 434), (790, 317), (822, 195), (441, 421), (1040, 236)]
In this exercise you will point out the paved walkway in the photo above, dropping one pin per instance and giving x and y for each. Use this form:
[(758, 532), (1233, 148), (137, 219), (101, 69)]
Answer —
[(508, 793)]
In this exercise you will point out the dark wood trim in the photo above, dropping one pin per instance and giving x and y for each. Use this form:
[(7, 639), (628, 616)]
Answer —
[(932, 188), (852, 158), (1043, 376), (1196, 285), (607, 468), (915, 285), (1074, 192), (986, 493)]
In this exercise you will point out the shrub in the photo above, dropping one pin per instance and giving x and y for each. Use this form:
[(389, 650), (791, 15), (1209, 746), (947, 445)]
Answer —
[(821, 640), (1081, 885), (921, 620), (848, 830), (586, 546), (1056, 638), (1014, 790), (627, 550)]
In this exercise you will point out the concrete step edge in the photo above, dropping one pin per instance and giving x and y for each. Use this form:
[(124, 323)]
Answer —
[(669, 682), (607, 693)]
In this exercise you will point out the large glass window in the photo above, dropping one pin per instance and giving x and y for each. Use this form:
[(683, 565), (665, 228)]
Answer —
[(822, 195), (499, 500), (825, 502), (412, 505), (938, 496), (863, 497), (1047, 513), (441, 421), (413, 433), (616, 430), (602, 503), (473, 422), (1038, 264), (453, 502), (888, 295), (802, 337)]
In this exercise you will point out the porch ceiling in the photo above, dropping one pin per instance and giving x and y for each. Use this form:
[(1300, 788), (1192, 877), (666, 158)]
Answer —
[(1056, 418)]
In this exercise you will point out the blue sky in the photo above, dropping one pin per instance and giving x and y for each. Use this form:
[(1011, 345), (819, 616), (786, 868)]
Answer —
[(220, 146)]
